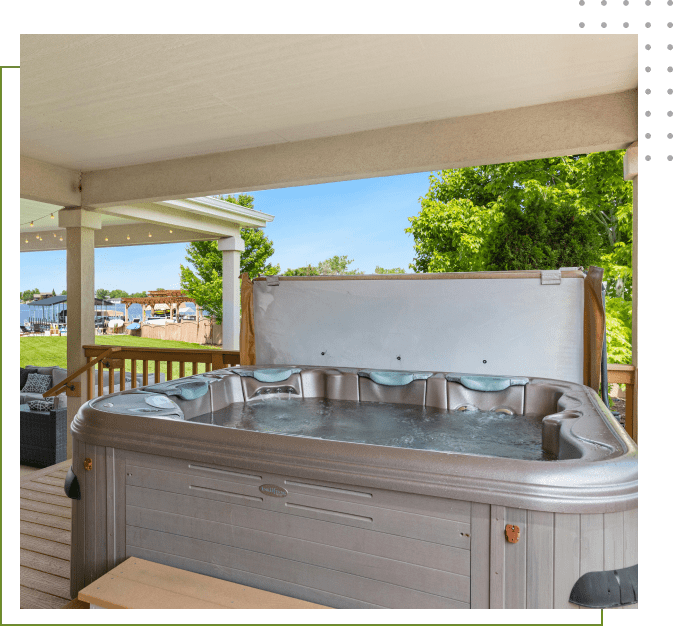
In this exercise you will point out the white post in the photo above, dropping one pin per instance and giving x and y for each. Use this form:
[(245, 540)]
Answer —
[(631, 173), (231, 248), (79, 226)]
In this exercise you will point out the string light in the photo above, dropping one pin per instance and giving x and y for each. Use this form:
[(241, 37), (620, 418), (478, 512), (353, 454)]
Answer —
[(170, 231), (60, 238), (149, 235), (54, 234), (128, 237), (106, 239), (37, 236), (52, 216), (26, 240), (32, 224)]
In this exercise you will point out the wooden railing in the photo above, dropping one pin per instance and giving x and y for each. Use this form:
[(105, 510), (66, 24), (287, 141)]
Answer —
[(626, 375), (139, 360)]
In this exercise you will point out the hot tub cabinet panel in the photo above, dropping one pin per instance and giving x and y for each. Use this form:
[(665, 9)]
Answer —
[(351, 525)]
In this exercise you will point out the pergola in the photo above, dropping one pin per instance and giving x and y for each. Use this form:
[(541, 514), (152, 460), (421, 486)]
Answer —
[(168, 296), (126, 127)]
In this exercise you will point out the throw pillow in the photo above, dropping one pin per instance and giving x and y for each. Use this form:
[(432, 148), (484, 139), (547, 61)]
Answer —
[(37, 383), (41, 405), (24, 374)]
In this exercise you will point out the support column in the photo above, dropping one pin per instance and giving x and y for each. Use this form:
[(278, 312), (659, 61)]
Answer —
[(631, 173), (79, 225), (126, 312), (231, 248)]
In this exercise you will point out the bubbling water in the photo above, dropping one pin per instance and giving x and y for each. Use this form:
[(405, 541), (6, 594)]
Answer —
[(484, 433)]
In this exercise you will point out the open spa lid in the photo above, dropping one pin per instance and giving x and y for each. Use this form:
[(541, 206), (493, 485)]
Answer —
[(546, 324)]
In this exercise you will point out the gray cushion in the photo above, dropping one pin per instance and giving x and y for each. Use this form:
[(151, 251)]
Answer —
[(37, 383), (46, 404)]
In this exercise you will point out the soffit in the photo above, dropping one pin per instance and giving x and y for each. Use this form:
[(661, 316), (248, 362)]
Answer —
[(99, 101)]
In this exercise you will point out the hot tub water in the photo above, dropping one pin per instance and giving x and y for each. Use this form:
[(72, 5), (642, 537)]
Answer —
[(486, 433)]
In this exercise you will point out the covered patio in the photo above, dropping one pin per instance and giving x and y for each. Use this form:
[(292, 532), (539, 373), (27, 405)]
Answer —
[(164, 122)]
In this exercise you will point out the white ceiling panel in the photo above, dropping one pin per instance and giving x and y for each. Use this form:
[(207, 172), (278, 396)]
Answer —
[(99, 101)]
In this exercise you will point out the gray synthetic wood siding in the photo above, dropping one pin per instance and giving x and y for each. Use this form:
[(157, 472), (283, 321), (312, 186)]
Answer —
[(321, 578), (539, 560), (480, 549), (432, 555)]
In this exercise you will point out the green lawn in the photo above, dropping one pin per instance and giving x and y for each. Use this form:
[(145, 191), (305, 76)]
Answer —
[(45, 351)]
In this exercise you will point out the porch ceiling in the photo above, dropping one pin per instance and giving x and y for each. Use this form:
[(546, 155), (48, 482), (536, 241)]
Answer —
[(282, 110), (197, 219)]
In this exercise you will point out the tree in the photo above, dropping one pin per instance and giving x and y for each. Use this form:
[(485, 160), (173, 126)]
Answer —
[(118, 293), (138, 294), (541, 214), (334, 266), (204, 281), (393, 270), (102, 294), (64, 292), (27, 296)]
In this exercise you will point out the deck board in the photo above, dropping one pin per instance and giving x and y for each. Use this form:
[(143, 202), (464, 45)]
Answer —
[(45, 539)]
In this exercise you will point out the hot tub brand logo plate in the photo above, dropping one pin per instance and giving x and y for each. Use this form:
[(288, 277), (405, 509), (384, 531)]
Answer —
[(272, 490)]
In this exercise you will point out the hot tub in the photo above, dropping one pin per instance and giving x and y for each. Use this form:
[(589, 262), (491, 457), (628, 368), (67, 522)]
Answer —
[(362, 488)]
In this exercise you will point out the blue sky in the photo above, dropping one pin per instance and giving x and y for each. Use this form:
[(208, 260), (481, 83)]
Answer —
[(364, 219)]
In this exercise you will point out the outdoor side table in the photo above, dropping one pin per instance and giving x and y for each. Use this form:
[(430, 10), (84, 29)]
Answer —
[(43, 436)]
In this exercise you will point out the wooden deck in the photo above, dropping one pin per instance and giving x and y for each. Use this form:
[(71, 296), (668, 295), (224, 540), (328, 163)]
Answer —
[(45, 539)]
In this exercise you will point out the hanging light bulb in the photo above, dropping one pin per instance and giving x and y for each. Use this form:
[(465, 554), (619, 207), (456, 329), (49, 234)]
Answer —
[(54, 234), (52, 216), (128, 237), (37, 236), (170, 231), (32, 224), (26, 240), (149, 235), (60, 238), (106, 239)]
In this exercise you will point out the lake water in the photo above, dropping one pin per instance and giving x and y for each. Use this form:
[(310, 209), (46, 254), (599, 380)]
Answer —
[(135, 310)]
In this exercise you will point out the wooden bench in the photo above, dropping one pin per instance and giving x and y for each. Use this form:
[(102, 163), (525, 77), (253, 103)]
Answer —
[(139, 584)]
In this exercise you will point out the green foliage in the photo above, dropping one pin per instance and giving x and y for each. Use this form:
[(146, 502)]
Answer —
[(392, 270), (118, 293), (618, 329), (539, 214), (102, 294), (27, 296), (543, 235), (64, 292), (334, 266), (204, 281)]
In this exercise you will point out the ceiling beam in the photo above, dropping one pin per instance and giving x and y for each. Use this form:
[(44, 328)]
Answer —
[(114, 237), (199, 222), (49, 183), (599, 123)]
